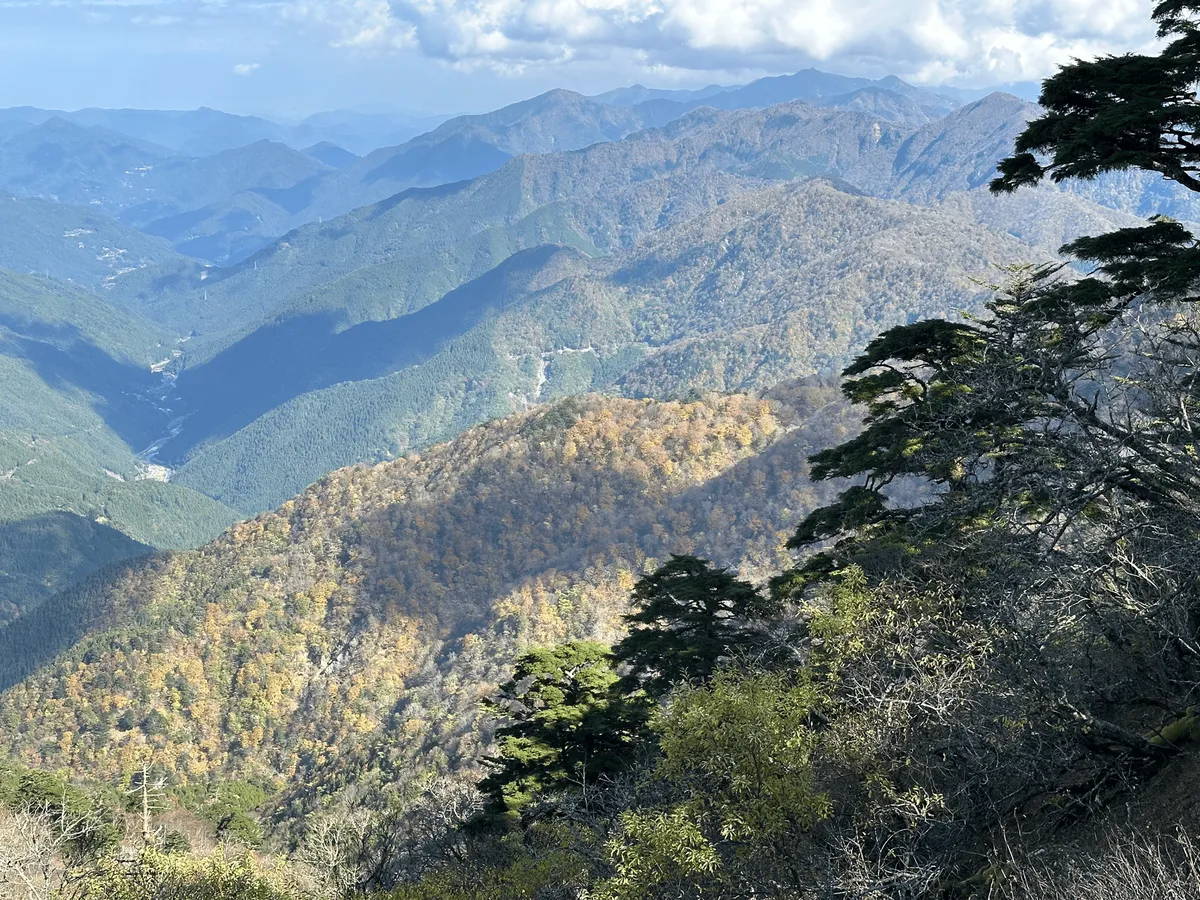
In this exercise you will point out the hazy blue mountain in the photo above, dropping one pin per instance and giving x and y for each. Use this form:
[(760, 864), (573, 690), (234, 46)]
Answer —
[(203, 131), (225, 206), (635, 94), (887, 105), (197, 132), (823, 89), (267, 167), (73, 243), (554, 121), (1026, 90), (888, 98), (960, 151), (62, 161), (215, 207), (223, 232), (203, 204), (468, 146), (222, 206), (362, 132), (10, 129), (331, 154), (809, 85), (25, 115)]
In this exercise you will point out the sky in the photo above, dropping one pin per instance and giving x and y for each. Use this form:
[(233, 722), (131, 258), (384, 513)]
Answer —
[(288, 58)]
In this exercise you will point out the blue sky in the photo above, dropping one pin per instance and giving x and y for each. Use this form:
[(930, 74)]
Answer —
[(291, 57)]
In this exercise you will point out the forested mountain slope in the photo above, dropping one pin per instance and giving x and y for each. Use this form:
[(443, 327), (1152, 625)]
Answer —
[(223, 207), (78, 393), (350, 634), (69, 163), (778, 283)]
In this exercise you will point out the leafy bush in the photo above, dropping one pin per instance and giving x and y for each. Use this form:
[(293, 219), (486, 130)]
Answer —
[(156, 875)]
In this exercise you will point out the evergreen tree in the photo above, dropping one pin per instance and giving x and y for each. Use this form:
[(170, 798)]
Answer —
[(1044, 592), (1029, 415), (569, 728), (687, 616), (1119, 112)]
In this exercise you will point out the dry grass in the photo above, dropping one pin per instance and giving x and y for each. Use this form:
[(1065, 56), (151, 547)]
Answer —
[(1126, 868)]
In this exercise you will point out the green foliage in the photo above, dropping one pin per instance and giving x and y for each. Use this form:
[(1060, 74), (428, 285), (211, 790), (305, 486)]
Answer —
[(156, 874), (687, 617), (569, 727), (176, 841), (660, 852), (228, 806), (73, 243), (83, 821), (60, 314), (743, 747), (543, 866), (739, 753)]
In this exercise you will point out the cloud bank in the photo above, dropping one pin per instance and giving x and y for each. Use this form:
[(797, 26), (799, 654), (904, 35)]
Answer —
[(966, 42), (955, 41)]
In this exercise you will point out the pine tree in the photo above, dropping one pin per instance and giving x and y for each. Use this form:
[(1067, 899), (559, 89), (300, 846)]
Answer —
[(568, 726), (1028, 416), (1119, 112), (688, 616)]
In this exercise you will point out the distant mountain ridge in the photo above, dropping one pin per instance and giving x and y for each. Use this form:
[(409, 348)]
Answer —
[(160, 178), (204, 131)]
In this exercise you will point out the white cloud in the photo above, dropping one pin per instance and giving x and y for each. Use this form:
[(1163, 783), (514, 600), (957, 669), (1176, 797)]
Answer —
[(965, 41), (245, 68)]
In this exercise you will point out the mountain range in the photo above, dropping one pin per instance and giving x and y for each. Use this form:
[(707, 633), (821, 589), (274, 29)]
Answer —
[(643, 244), (308, 430), (155, 170)]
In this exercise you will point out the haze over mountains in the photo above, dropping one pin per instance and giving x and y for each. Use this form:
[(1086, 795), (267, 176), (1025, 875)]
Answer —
[(210, 312), (219, 186)]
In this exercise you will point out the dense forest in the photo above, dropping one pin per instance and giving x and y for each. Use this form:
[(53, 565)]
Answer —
[(934, 636)]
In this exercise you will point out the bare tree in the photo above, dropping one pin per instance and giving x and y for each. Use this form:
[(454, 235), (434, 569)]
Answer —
[(353, 850), (35, 850)]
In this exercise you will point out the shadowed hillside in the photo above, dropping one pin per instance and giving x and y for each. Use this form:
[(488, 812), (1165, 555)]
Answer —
[(385, 600)]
